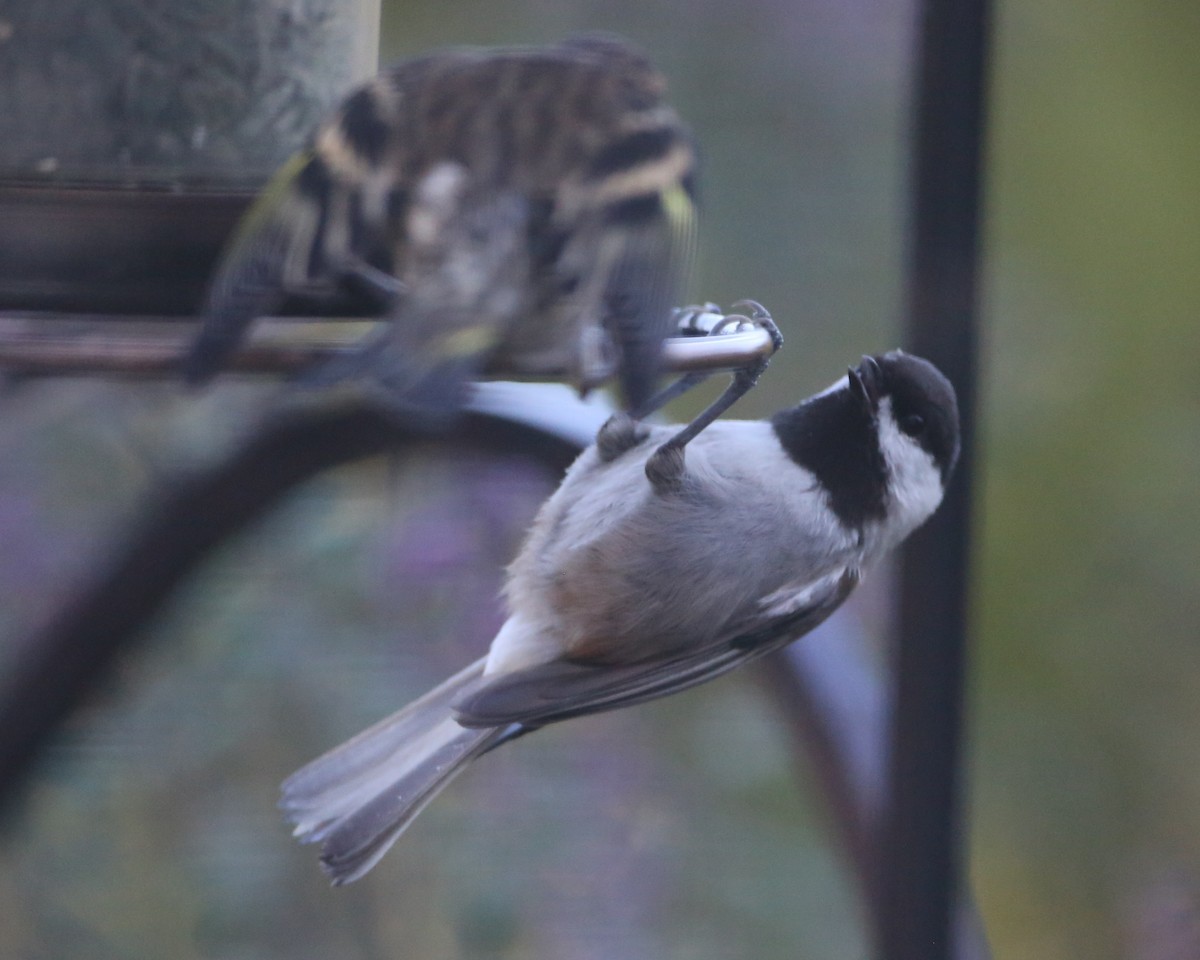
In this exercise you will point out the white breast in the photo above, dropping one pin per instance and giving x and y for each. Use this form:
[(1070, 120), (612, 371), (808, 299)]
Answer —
[(611, 562)]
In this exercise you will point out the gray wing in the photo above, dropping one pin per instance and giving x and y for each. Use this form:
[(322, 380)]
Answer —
[(563, 689), (270, 254)]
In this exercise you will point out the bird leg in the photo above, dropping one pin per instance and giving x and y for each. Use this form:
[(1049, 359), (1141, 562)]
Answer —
[(665, 467), (669, 393), (693, 321)]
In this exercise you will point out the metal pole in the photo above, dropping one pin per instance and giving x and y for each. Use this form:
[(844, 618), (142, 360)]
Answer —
[(921, 833)]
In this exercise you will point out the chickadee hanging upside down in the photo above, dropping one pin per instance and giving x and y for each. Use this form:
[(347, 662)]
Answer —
[(656, 566)]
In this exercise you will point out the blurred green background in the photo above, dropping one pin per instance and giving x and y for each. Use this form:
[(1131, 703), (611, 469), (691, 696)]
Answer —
[(683, 829)]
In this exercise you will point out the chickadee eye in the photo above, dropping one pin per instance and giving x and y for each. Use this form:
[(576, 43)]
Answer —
[(912, 423)]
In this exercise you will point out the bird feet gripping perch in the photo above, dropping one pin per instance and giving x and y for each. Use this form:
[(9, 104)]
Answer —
[(619, 434), (665, 468)]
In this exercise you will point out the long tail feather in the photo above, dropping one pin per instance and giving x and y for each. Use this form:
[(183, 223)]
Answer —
[(356, 842), (358, 798)]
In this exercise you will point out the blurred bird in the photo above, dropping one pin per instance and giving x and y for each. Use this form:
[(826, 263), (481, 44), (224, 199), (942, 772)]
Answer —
[(524, 208), (659, 563)]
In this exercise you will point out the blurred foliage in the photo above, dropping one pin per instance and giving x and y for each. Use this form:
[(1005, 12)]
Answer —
[(1088, 695), (676, 830)]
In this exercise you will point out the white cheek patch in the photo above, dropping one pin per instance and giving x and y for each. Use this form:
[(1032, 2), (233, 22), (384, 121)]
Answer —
[(915, 483)]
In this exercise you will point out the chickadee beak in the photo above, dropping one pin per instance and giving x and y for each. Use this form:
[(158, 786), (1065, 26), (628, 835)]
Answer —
[(866, 382)]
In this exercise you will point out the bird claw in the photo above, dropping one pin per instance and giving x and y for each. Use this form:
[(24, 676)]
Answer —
[(762, 317), (696, 320), (707, 320), (620, 434), (664, 468)]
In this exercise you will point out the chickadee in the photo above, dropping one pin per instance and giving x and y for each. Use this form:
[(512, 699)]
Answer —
[(652, 568), (525, 208)]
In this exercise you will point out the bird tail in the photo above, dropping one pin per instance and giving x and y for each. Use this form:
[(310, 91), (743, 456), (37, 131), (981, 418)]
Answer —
[(648, 261), (358, 798)]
